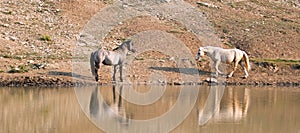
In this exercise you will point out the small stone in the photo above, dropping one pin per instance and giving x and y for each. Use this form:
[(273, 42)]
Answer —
[(162, 61), (32, 46), (24, 43), (30, 61), (177, 83), (161, 81), (172, 58), (5, 25), (57, 10), (12, 38), (20, 23), (211, 80), (207, 5)]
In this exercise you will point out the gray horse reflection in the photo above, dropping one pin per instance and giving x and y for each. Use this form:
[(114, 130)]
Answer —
[(224, 105), (94, 102), (98, 107)]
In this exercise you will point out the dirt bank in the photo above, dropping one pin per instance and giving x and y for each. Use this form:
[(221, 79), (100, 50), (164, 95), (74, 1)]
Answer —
[(37, 39)]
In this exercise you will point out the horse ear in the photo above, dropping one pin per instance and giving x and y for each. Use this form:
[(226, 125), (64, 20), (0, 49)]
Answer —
[(127, 40), (203, 49)]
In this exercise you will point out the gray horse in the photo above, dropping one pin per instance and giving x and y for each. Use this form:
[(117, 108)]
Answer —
[(113, 58)]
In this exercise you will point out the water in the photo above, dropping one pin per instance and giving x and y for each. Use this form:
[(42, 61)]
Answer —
[(229, 109)]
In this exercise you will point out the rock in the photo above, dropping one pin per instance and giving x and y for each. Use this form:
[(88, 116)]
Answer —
[(207, 5), (211, 80), (30, 61), (14, 70), (20, 23), (57, 11), (177, 83), (12, 38), (24, 43), (39, 66), (162, 81), (5, 25), (162, 61), (32, 47), (172, 58)]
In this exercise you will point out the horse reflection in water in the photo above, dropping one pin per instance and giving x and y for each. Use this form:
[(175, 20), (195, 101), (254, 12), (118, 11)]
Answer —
[(222, 105), (99, 108)]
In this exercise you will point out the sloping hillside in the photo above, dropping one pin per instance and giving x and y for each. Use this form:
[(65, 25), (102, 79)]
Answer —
[(37, 37)]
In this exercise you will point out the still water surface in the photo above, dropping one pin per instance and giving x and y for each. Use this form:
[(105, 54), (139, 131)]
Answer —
[(232, 109)]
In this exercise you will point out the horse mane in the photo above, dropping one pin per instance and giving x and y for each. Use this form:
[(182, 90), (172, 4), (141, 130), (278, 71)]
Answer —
[(123, 43), (116, 48)]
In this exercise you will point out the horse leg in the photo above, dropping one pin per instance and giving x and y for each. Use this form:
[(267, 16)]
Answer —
[(121, 77), (97, 66), (114, 75), (217, 63), (234, 69), (246, 72)]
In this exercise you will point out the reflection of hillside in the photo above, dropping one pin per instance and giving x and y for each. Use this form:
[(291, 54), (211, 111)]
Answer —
[(25, 110), (272, 110), (224, 105)]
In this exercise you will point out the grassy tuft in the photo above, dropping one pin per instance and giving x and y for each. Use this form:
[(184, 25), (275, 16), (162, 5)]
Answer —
[(139, 58), (280, 61), (18, 57), (19, 69), (175, 31), (45, 38)]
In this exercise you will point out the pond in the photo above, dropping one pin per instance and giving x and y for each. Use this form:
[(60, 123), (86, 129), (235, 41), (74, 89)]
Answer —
[(126, 108)]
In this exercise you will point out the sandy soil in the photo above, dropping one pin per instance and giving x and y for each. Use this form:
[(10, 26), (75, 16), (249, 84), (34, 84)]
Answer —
[(37, 38)]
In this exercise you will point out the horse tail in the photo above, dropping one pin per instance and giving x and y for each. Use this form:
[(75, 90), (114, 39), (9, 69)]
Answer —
[(246, 59), (92, 63)]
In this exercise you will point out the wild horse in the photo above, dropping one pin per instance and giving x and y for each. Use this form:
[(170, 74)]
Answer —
[(113, 58), (219, 55)]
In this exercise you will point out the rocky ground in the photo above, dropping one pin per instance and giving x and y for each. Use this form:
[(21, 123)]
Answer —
[(38, 36)]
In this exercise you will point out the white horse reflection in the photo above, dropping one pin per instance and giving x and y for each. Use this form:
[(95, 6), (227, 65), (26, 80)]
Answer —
[(224, 106)]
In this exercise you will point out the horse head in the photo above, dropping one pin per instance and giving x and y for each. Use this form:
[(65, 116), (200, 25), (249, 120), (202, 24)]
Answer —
[(129, 45), (200, 53)]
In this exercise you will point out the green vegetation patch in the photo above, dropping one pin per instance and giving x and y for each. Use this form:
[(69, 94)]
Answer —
[(45, 38), (18, 57), (139, 58), (281, 61), (19, 69), (175, 31)]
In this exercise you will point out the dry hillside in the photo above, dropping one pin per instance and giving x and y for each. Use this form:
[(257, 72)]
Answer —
[(37, 37)]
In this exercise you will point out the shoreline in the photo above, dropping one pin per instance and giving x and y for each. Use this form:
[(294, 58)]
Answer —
[(43, 81)]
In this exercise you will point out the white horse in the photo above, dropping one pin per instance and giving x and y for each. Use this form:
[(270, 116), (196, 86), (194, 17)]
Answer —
[(219, 55)]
